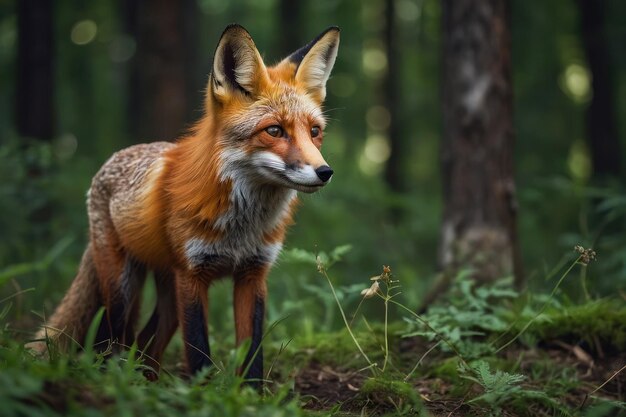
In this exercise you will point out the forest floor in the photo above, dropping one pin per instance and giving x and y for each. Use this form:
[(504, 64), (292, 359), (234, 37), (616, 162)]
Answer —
[(324, 387), (485, 351), (555, 378)]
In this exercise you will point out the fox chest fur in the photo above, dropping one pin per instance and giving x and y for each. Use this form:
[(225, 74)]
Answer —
[(251, 229)]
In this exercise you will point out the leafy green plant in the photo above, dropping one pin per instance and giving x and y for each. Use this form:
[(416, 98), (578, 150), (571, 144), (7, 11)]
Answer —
[(470, 312), (471, 326), (500, 387)]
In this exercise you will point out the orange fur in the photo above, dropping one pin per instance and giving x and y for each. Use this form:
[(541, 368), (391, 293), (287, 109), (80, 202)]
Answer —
[(247, 288)]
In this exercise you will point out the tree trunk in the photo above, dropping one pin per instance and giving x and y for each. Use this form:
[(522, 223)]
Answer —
[(479, 219), (35, 65), (394, 165), (290, 38), (159, 99), (601, 126)]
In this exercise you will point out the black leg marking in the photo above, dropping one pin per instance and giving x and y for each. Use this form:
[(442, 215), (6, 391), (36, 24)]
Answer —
[(197, 338), (123, 298), (103, 335), (210, 263), (254, 359), (157, 333), (149, 330), (250, 264), (116, 317)]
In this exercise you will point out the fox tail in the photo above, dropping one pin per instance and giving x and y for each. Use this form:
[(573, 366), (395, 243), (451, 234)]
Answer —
[(73, 316)]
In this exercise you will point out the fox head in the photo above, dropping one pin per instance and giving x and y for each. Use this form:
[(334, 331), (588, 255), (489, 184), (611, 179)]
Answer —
[(269, 120)]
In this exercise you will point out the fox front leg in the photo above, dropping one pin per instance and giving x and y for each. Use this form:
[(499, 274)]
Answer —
[(249, 304), (192, 310)]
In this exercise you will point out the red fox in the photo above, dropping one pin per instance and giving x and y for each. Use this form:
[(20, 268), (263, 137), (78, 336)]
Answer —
[(215, 203)]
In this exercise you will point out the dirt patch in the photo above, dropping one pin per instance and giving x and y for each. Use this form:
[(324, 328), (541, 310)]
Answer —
[(322, 387)]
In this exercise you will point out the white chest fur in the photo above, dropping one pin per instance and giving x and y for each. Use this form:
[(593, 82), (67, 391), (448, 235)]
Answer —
[(254, 212)]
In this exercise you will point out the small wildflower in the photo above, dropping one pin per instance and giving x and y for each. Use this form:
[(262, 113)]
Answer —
[(586, 255), (386, 275), (371, 291), (320, 264)]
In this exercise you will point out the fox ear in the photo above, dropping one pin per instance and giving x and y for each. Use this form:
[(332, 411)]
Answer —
[(237, 65), (315, 60)]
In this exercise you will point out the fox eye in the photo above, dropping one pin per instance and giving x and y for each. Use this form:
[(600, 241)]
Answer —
[(275, 131), (315, 131)]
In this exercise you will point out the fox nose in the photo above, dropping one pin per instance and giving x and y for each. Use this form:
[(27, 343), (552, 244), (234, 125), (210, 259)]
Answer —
[(324, 173)]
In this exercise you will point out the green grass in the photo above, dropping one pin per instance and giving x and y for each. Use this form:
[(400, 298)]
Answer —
[(87, 384), (478, 351)]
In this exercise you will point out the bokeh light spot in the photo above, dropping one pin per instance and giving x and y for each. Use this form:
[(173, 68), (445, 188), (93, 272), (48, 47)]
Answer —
[(377, 149), (84, 32), (407, 10), (578, 162), (374, 59), (576, 83)]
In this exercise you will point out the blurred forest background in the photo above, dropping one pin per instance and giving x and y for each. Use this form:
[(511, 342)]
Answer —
[(80, 80)]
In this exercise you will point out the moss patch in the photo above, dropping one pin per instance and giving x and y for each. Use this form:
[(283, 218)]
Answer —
[(601, 321), (391, 393)]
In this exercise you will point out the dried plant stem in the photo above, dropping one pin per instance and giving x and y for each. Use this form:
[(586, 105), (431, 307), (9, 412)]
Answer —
[(598, 388), (419, 362), (387, 298), (322, 270), (583, 284)]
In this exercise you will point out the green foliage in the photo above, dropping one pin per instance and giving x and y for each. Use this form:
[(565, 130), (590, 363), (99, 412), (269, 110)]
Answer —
[(304, 256), (472, 322), (89, 385), (497, 385), (469, 313), (292, 279), (600, 321), (604, 229), (502, 388), (337, 348), (40, 223), (24, 192), (13, 271), (606, 409)]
